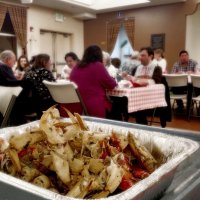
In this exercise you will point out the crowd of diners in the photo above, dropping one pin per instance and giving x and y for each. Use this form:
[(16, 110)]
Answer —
[(94, 73)]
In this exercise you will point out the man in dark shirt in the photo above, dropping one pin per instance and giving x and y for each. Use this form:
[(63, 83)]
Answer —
[(7, 61), (185, 65), (7, 78)]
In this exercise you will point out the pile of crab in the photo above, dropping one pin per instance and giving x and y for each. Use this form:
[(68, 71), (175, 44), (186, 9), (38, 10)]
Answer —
[(68, 158)]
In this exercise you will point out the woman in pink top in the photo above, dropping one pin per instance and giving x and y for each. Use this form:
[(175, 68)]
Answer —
[(93, 79)]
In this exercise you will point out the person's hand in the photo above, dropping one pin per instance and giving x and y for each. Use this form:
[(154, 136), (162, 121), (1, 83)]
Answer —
[(141, 81), (144, 77), (123, 74), (19, 75), (126, 76)]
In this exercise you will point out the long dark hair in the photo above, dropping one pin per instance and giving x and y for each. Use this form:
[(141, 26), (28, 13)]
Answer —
[(159, 51), (92, 54), (41, 60), (19, 67)]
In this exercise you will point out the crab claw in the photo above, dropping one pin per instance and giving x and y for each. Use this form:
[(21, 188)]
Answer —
[(114, 177), (81, 189), (54, 135), (142, 154), (15, 159), (61, 167)]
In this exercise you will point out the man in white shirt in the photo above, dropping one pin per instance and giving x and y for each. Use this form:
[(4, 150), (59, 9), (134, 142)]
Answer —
[(146, 73)]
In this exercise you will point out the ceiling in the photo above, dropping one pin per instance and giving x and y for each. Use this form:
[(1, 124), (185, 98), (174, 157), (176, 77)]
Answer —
[(89, 8)]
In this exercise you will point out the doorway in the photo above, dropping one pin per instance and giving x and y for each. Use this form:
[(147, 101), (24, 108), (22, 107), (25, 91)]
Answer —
[(56, 45)]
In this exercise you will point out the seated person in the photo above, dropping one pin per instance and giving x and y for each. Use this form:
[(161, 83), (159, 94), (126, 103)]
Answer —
[(71, 60), (7, 61), (146, 73), (41, 70), (184, 65), (92, 80), (116, 62), (159, 60), (131, 63), (22, 67), (112, 70), (7, 78)]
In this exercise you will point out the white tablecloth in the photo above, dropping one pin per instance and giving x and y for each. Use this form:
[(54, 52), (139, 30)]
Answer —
[(142, 98)]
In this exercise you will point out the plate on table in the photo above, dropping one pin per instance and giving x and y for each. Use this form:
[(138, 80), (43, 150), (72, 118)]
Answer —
[(125, 84)]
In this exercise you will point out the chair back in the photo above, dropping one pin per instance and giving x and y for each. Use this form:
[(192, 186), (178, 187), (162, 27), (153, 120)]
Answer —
[(7, 100), (176, 80), (195, 79), (65, 92)]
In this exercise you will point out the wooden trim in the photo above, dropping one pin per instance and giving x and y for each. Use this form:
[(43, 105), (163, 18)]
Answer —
[(57, 32), (14, 4)]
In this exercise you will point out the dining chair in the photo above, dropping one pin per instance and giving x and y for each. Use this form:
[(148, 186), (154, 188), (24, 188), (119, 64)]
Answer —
[(176, 81), (195, 80), (8, 97), (65, 92)]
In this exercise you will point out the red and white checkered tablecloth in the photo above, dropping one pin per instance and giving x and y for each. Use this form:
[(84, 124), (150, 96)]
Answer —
[(142, 98)]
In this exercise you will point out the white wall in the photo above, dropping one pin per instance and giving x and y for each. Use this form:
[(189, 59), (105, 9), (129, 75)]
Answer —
[(193, 35), (43, 18)]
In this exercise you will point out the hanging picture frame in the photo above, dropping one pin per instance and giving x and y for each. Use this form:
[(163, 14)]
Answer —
[(158, 41)]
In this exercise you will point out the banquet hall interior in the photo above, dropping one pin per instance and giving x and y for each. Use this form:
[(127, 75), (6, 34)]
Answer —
[(102, 89), (58, 27)]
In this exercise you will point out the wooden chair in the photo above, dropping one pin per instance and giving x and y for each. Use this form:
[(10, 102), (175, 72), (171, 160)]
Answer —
[(65, 92), (8, 96)]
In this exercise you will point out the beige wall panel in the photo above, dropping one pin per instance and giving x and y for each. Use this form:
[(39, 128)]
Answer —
[(167, 19), (43, 18)]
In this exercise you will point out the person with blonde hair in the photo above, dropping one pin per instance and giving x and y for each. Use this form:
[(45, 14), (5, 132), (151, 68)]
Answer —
[(159, 60), (112, 70)]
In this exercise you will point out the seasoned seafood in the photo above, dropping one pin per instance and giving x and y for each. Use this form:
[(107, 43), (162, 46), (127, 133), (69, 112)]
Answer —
[(68, 158)]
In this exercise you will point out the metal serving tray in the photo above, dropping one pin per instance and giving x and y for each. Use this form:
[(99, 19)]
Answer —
[(177, 149)]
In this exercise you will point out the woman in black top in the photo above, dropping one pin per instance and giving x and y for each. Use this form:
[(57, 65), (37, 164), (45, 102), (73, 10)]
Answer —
[(40, 71)]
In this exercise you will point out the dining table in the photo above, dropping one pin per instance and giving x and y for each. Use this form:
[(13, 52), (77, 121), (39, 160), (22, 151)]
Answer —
[(141, 98)]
